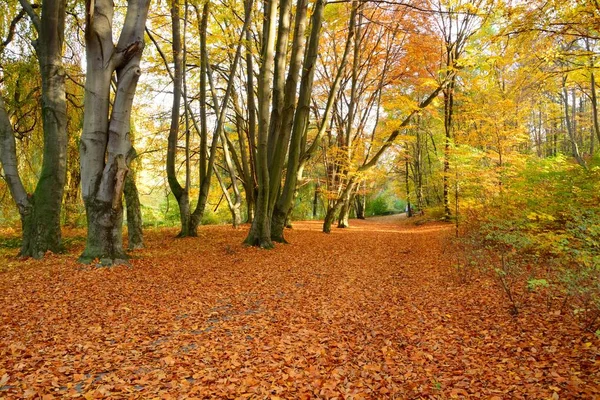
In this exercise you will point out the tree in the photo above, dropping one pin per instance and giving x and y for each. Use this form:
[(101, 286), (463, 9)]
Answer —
[(40, 211), (106, 147), (458, 21)]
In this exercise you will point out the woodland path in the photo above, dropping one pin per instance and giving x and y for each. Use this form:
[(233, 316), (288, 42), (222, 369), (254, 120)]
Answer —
[(373, 311)]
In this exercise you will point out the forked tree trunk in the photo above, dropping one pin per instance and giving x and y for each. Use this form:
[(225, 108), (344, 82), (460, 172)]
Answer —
[(298, 154), (40, 211), (333, 209), (105, 142)]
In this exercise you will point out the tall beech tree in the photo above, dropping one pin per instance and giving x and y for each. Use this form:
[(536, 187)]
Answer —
[(40, 210), (105, 146), (457, 22), (283, 127)]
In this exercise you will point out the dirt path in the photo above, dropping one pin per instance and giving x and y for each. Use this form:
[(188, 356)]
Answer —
[(373, 311)]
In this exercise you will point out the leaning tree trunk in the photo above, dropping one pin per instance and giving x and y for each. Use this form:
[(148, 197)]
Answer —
[(40, 211), (105, 142), (284, 202), (206, 164)]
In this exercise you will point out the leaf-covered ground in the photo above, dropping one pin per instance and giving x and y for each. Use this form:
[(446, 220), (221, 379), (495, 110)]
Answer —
[(374, 311)]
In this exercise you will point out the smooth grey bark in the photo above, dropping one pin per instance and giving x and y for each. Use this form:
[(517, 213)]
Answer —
[(284, 102), (252, 123), (40, 211), (105, 142), (207, 154), (344, 216), (207, 157), (283, 34)]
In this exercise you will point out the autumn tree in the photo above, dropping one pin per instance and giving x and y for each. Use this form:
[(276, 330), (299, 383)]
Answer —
[(106, 149), (40, 211)]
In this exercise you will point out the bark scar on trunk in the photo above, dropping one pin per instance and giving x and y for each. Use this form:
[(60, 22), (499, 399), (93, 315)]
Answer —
[(119, 181)]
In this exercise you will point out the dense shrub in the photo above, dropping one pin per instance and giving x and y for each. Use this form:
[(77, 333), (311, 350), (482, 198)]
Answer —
[(540, 230)]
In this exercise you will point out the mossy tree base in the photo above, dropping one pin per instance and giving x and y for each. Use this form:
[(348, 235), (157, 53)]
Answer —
[(105, 236), (41, 229)]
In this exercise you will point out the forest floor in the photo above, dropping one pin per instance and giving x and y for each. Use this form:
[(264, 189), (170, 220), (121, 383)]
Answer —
[(373, 311)]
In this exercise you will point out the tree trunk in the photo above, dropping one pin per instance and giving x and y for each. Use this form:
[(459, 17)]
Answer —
[(359, 204), (244, 168), (330, 216), (206, 165), (284, 96), (570, 126), (104, 236), (180, 192), (260, 231), (596, 124), (316, 200), (300, 123), (409, 211), (40, 211), (72, 209), (234, 207), (134, 214), (448, 109), (105, 142), (344, 216)]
